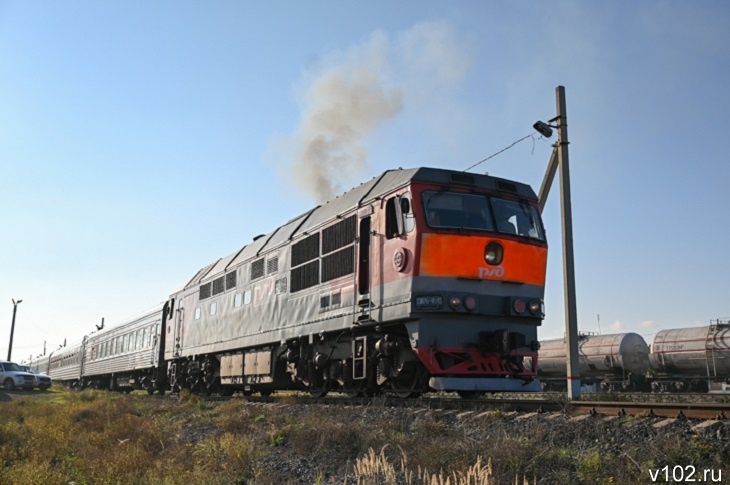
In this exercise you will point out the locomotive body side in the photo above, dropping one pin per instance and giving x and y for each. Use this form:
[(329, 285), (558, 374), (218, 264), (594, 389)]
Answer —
[(334, 298)]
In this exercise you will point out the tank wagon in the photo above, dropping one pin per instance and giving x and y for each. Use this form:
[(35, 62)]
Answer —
[(692, 359), (420, 279), (608, 362)]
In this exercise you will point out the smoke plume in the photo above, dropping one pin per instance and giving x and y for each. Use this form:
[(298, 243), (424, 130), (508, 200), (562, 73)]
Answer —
[(350, 95)]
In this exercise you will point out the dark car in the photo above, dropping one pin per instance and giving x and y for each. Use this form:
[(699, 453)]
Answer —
[(44, 381)]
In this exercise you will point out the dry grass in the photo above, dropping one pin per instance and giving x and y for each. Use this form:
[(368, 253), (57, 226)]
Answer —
[(94, 437)]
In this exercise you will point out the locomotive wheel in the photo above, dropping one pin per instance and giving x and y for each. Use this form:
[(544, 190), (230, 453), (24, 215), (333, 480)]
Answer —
[(407, 384), (405, 388), (319, 389), (355, 388)]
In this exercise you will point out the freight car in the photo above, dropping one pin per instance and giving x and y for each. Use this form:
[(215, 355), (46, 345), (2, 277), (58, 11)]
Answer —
[(608, 363), (420, 279), (692, 359)]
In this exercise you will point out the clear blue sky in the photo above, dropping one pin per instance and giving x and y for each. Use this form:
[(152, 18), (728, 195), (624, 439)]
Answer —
[(142, 140)]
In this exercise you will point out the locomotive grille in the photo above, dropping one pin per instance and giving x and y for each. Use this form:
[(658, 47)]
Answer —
[(257, 269), (305, 276), (218, 285), (338, 264), (462, 178), (339, 235), (204, 291), (305, 250), (231, 280), (508, 186), (272, 265)]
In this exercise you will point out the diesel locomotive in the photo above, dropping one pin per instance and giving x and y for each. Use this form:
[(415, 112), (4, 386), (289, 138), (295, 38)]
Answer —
[(417, 280)]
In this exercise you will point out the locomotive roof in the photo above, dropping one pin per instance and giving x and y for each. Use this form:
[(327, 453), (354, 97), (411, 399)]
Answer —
[(359, 196)]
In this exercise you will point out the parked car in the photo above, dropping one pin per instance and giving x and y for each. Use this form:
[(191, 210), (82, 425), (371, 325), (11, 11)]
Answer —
[(12, 376), (44, 380)]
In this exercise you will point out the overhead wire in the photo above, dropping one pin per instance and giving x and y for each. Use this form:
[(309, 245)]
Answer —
[(531, 135)]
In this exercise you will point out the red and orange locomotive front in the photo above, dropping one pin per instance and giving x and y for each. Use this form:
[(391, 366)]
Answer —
[(472, 251)]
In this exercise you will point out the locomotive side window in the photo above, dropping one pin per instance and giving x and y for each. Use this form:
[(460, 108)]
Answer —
[(406, 208), (399, 218), (391, 218)]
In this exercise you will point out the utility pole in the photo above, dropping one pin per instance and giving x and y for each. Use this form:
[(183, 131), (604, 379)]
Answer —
[(12, 327), (559, 160)]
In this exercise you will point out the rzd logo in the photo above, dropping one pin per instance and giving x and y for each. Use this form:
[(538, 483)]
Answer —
[(495, 272)]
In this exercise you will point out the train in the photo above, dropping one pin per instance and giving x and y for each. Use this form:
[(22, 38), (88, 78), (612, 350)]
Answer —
[(416, 281), (694, 359)]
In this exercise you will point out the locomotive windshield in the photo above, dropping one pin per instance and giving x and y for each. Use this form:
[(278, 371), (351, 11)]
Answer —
[(452, 210)]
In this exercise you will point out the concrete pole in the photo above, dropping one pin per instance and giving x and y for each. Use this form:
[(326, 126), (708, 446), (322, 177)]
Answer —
[(12, 328), (571, 312)]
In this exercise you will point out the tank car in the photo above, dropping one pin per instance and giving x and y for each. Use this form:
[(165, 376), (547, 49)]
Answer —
[(611, 362), (420, 279), (693, 359)]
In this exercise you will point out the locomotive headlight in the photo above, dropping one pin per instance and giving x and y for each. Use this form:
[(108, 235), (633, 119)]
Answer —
[(470, 303), (536, 307), (493, 253), (454, 302)]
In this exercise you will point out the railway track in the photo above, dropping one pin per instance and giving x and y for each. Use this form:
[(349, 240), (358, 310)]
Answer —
[(524, 404)]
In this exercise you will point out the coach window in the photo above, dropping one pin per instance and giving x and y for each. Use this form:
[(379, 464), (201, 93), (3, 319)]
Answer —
[(247, 297), (197, 313), (238, 300), (132, 342), (213, 308)]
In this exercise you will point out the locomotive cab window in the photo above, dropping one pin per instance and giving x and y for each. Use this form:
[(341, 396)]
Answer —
[(518, 218), (451, 210)]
